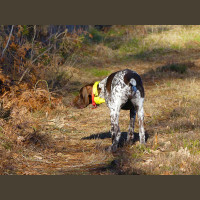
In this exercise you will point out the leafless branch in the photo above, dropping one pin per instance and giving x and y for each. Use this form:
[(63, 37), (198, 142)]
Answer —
[(7, 41), (41, 54), (33, 42)]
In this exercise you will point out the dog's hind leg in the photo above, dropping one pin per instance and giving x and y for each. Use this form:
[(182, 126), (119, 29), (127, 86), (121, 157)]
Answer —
[(141, 122), (115, 130), (130, 135)]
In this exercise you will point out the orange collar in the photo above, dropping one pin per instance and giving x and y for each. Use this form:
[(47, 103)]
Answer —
[(93, 102)]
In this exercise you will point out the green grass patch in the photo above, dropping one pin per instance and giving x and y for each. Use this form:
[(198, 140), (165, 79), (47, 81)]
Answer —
[(94, 36), (116, 32), (176, 47), (130, 46), (98, 72), (192, 145), (197, 38)]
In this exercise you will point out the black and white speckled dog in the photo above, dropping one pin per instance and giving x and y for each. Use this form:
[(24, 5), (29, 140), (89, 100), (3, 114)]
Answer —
[(121, 90)]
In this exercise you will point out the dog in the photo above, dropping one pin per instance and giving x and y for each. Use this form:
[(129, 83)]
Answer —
[(121, 90)]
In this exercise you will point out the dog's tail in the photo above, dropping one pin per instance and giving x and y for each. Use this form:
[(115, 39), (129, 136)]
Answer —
[(134, 80), (133, 84)]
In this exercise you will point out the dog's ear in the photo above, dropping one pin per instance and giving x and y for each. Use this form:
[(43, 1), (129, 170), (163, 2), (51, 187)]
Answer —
[(85, 96)]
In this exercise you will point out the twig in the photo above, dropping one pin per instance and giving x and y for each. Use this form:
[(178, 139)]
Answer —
[(7, 42), (41, 54), (27, 69), (57, 35)]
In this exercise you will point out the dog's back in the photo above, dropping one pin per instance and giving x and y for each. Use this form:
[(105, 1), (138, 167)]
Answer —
[(120, 87)]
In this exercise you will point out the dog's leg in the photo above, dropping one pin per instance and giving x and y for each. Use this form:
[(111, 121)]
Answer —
[(141, 122), (130, 135), (115, 130)]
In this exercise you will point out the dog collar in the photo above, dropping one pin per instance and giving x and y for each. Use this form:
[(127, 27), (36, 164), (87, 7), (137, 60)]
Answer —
[(95, 98)]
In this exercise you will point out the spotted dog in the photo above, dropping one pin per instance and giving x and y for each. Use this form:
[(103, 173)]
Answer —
[(121, 90)]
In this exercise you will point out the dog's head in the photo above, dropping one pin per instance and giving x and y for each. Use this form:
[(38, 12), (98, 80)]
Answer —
[(84, 97)]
